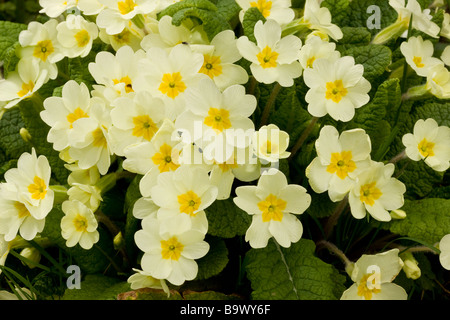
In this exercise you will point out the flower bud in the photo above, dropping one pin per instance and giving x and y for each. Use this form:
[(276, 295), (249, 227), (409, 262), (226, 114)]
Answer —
[(410, 266), (31, 254), (118, 241), (398, 214)]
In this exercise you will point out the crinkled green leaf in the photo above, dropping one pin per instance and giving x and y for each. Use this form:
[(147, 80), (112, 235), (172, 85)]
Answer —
[(251, 17), (215, 260), (293, 273), (438, 111), (9, 35), (149, 294), (355, 36), (427, 220), (358, 15), (338, 10), (97, 287), (38, 130), (11, 142), (226, 220), (205, 12), (419, 178), (228, 9), (374, 58)]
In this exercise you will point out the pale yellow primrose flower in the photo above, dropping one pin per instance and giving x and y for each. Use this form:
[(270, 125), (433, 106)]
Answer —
[(39, 42), (273, 58), (79, 225), (377, 192), (429, 142), (54, 8), (340, 158), (31, 181), (337, 88), (76, 36), (419, 55), (318, 18), (273, 205), (60, 113), (270, 143), (22, 83), (170, 255), (373, 276)]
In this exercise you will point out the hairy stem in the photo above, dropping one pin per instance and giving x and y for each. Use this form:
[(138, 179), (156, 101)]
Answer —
[(303, 137), (270, 102)]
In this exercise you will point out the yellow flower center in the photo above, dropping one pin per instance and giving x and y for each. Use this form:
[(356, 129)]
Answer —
[(127, 81), (99, 138), (218, 119), (267, 58), (26, 88), (164, 159), (126, 6), (272, 208), (123, 37), (80, 223), (189, 202), (22, 211), (75, 115), (144, 127), (171, 249), (335, 91), (369, 193), (211, 66), (310, 61), (426, 148), (263, 6), (172, 84), (341, 163), (82, 38), (418, 62), (43, 49), (38, 189), (364, 290)]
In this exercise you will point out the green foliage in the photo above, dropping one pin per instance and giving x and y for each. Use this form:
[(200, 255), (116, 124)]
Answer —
[(97, 287), (202, 11), (251, 17), (293, 273), (226, 220), (427, 220), (11, 142)]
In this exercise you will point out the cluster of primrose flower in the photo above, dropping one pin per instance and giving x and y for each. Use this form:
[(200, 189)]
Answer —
[(172, 104)]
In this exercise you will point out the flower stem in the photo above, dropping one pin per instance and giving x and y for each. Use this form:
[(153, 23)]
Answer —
[(398, 157), (333, 219), (303, 137), (335, 250), (270, 102)]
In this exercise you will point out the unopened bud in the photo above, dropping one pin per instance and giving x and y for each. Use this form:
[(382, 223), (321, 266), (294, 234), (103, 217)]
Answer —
[(26, 136), (398, 214), (31, 254), (411, 266), (118, 241)]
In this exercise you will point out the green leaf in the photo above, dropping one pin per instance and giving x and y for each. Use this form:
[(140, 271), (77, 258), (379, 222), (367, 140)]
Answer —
[(131, 224), (375, 59), (426, 219), (215, 260), (293, 273), (438, 111), (38, 130), (251, 17), (226, 220), (203, 11), (97, 287), (228, 9), (11, 142), (9, 35), (338, 10), (358, 15), (355, 36), (419, 179), (149, 294)]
